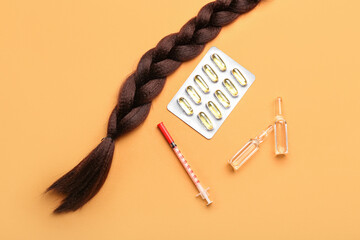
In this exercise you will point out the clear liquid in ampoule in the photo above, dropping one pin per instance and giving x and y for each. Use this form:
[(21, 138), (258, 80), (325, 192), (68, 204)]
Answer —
[(281, 136), (251, 147), (244, 154)]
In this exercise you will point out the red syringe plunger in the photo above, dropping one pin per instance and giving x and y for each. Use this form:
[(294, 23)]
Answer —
[(165, 132)]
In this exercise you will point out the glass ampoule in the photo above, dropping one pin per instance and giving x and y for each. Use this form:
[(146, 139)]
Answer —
[(281, 136), (251, 147)]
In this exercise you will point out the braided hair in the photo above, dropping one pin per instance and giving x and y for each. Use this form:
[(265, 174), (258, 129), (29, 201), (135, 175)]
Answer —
[(137, 92)]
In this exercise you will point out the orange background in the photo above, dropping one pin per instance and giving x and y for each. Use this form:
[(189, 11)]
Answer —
[(61, 66)]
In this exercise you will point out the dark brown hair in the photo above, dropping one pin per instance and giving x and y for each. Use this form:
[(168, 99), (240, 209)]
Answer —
[(139, 89)]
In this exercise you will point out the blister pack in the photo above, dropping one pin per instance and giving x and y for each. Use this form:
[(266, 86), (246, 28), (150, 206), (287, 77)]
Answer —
[(211, 92)]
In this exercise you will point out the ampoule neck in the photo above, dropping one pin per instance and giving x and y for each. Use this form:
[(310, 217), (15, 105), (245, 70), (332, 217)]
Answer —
[(278, 107), (264, 134)]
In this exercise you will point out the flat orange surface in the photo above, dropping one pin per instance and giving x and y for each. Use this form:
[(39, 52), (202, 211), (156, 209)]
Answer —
[(61, 66)]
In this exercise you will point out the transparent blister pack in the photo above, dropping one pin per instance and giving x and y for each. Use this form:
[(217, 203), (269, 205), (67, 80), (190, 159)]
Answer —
[(211, 92)]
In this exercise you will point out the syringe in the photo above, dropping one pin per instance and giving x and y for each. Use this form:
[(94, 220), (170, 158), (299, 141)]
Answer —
[(202, 192)]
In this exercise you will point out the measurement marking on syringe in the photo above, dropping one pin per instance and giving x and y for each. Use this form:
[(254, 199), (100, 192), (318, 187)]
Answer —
[(202, 192)]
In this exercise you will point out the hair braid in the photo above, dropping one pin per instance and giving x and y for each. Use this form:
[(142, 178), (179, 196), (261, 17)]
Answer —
[(137, 92)]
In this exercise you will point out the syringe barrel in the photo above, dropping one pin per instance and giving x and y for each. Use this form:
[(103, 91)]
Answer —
[(186, 165)]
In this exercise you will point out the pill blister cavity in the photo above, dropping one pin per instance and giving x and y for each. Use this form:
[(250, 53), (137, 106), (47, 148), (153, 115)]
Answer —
[(214, 110), (230, 87), (219, 62), (239, 77), (220, 96), (193, 94), (205, 121), (185, 106), (210, 73), (201, 83)]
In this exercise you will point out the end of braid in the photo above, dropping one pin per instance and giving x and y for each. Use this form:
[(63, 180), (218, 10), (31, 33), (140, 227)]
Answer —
[(85, 180)]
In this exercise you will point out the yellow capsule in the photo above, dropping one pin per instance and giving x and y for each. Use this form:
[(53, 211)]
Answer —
[(186, 107), (219, 62), (210, 73), (193, 94), (201, 83), (230, 87), (222, 98), (214, 110), (239, 77), (205, 121)]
